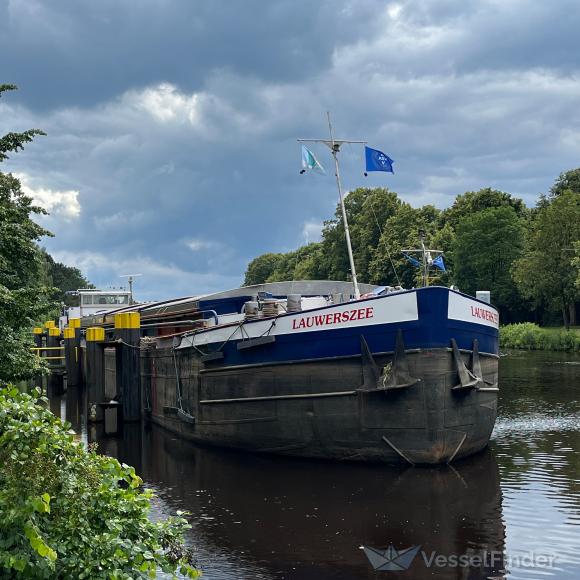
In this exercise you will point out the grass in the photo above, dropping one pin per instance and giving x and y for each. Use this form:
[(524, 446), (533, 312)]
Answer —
[(529, 336)]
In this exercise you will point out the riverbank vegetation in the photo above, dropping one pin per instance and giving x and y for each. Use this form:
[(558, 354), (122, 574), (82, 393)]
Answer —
[(65, 511), (529, 336), (68, 512), (529, 258)]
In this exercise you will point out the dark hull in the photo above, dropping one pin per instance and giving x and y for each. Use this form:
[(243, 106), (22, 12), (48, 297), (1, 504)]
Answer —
[(330, 408)]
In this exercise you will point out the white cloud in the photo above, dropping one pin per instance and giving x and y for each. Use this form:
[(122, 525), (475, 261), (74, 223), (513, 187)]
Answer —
[(165, 103), (311, 231), (63, 204), (195, 245), (127, 218), (159, 279)]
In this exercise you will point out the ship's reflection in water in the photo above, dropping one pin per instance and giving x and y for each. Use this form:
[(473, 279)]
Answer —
[(260, 517), (256, 517)]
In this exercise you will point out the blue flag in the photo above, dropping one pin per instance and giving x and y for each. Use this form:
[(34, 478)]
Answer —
[(378, 161), (438, 263), (413, 261)]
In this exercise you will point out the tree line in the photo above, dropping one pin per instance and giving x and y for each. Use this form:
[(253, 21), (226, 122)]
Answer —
[(32, 284), (66, 511), (528, 257)]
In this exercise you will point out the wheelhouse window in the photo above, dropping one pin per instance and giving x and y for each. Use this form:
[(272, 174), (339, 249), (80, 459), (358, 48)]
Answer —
[(104, 299)]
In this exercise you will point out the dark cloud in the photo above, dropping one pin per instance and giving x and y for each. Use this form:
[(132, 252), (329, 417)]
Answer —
[(173, 124), (66, 52)]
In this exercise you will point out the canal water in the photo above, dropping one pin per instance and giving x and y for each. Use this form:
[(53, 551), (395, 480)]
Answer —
[(512, 512)]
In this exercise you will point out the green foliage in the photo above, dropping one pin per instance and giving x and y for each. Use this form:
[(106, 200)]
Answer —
[(471, 202), (23, 298), (261, 268), (545, 274), (297, 265), (489, 238), (20, 259), (68, 512), (576, 263), (400, 232), (567, 181), (63, 278), (486, 245), (15, 141), (529, 336)]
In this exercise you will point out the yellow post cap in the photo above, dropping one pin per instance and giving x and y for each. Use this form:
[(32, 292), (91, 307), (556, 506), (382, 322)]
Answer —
[(69, 332), (128, 320), (37, 330), (49, 324), (95, 334), (54, 332), (74, 322)]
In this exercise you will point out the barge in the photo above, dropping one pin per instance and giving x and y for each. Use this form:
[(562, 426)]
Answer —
[(396, 376), (321, 369)]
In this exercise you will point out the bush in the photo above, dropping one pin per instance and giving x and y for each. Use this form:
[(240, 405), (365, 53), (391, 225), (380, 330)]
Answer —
[(68, 512), (529, 336)]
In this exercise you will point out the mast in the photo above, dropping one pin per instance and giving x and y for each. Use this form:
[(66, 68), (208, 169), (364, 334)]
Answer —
[(334, 146), (425, 255), (425, 263)]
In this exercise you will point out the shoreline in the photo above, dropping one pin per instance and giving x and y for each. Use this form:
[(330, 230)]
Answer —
[(530, 336)]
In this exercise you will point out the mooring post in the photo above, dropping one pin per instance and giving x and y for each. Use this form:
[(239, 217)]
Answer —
[(95, 378), (38, 334), (55, 362), (128, 331), (72, 343)]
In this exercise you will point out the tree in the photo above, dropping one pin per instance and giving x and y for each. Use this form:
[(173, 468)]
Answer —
[(63, 278), (23, 300), (261, 268), (545, 274), (301, 264), (566, 181), (576, 263), (401, 231), (367, 211), (485, 247), (470, 202)]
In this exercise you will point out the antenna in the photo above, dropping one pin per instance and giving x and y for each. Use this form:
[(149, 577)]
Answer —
[(334, 145), (130, 278)]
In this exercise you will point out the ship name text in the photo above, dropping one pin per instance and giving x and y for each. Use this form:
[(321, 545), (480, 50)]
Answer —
[(488, 315), (333, 318)]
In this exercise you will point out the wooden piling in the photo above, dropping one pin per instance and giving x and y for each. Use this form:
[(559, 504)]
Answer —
[(55, 363), (95, 369), (128, 330), (72, 353), (38, 334)]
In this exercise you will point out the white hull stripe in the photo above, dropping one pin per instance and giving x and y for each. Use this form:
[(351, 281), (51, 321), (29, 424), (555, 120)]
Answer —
[(385, 310), (467, 310)]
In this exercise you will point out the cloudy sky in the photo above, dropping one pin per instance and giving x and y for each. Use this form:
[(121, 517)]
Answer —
[(172, 124)]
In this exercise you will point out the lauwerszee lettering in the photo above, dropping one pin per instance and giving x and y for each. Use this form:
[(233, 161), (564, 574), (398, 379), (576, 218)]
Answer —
[(484, 314), (333, 318)]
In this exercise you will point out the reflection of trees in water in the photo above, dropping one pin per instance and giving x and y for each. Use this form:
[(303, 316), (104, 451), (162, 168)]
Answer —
[(313, 516), (538, 382), (307, 519), (544, 456), (539, 421)]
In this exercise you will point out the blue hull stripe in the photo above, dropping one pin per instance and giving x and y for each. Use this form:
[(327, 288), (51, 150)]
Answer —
[(433, 330)]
